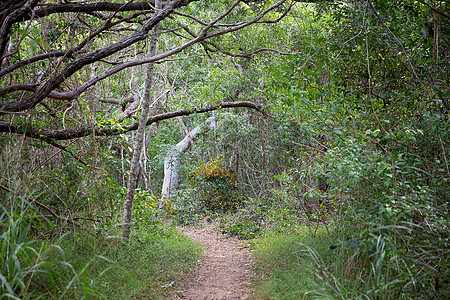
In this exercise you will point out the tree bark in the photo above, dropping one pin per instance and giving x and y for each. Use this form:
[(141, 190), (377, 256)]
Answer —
[(74, 63), (135, 162), (73, 133), (54, 82), (172, 159)]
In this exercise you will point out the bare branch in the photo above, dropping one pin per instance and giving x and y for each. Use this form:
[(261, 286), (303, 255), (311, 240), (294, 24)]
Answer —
[(251, 53), (18, 87), (25, 8), (191, 17), (53, 143), (126, 113), (33, 88), (117, 102), (435, 9), (14, 106), (32, 60), (87, 8), (280, 17), (87, 59), (233, 24), (57, 79), (72, 133)]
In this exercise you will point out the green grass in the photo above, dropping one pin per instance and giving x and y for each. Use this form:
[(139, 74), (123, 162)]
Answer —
[(88, 264), (370, 263), (112, 270), (298, 265), (284, 271)]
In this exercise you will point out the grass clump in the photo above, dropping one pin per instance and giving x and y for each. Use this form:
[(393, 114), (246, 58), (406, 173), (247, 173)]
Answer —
[(285, 266), (149, 261), (346, 265), (22, 260), (85, 262), (298, 265)]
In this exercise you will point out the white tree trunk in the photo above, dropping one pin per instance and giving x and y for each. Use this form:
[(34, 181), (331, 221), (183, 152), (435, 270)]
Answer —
[(173, 157), (139, 141)]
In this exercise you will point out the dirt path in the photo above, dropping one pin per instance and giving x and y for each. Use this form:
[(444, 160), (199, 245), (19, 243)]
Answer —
[(224, 272)]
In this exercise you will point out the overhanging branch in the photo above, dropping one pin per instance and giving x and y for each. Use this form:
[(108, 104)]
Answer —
[(73, 133), (47, 89), (87, 59)]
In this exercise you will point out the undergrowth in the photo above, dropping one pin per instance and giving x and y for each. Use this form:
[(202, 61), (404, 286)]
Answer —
[(285, 267), (85, 262), (357, 262)]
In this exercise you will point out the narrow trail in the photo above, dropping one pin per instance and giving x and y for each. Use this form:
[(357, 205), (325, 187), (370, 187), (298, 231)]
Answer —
[(225, 270)]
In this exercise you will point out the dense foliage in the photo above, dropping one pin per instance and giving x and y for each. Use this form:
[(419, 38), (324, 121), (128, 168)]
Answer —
[(342, 183)]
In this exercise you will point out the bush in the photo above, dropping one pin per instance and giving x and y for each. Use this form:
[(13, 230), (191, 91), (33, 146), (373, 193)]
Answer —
[(188, 208), (256, 216), (215, 186), (402, 226)]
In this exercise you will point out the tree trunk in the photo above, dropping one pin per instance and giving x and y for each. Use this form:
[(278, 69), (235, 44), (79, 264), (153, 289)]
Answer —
[(138, 143), (172, 160)]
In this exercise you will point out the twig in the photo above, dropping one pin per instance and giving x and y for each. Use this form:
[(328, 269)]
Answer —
[(47, 209), (445, 156), (251, 53), (52, 213), (435, 9), (5, 188), (310, 147), (47, 159), (388, 34), (66, 150)]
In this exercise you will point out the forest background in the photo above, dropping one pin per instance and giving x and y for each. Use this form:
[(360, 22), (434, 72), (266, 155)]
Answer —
[(318, 131)]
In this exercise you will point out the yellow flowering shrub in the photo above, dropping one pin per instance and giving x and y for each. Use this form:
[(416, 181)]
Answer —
[(215, 184)]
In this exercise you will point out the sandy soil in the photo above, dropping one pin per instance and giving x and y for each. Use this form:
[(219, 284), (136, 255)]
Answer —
[(225, 270)]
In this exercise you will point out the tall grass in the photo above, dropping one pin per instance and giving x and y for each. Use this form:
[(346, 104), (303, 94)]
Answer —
[(22, 259), (285, 267), (151, 260), (84, 263), (379, 263)]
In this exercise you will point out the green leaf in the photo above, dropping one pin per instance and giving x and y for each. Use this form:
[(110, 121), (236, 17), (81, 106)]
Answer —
[(337, 131), (33, 44)]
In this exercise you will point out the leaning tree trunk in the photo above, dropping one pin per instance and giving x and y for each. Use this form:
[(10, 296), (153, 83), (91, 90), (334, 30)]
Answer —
[(139, 141), (173, 157)]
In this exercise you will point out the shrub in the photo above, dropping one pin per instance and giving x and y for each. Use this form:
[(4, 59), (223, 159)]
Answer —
[(216, 186)]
